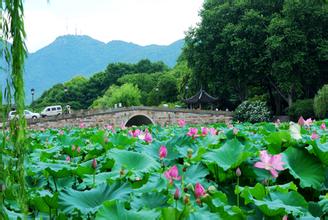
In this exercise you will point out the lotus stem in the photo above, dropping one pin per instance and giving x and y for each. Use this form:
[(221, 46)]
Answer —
[(238, 193), (55, 183)]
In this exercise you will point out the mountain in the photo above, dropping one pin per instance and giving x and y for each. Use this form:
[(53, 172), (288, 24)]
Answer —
[(72, 55)]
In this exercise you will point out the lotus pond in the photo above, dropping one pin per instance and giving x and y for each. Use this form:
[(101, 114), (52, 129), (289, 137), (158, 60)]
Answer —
[(244, 171)]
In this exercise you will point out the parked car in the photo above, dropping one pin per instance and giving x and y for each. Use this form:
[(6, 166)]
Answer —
[(55, 110), (27, 114)]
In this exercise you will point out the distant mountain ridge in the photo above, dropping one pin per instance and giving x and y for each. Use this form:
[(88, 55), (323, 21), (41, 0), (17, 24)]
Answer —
[(72, 55)]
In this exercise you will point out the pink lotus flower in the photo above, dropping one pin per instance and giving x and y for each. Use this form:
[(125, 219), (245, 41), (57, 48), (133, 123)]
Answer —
[(235, 131), (301, 121), (109, 127), (148, 137), (205, 131), (314, 136), (323, 126), (192, 132), (271, 163), (285, 217), (78, 149), (172, 174), (61, 132), (94, 163), (82, 125), (181, 123), (177, 194), (213, 131), (68, 158), (199, 190), (308, 122), (42, 129), (162, 152), (135, 133)]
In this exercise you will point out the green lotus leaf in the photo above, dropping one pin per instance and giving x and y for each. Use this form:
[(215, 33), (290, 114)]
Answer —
[(195, 173), (115, 210), (276, 139), (230, 155), (321, 151), (101, 178), (274, 201), (155, 183), (324, 203), (120, 141), (305, 167), (56, 168), (133, 161), (150, 200), (90, 201)]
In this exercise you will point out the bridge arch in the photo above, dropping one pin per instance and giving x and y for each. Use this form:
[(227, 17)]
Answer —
[(138, 120)]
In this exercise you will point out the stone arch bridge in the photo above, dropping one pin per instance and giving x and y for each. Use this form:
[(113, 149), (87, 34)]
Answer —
[(132, 116)]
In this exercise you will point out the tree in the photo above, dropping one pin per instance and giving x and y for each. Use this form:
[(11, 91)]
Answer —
[(127, 95), (246, 48), (12, 28)]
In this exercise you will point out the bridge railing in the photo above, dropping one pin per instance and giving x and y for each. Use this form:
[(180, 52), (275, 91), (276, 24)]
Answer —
[(89, 113)]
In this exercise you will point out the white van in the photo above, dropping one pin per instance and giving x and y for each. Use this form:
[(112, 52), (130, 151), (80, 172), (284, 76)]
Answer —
[(55, 110)]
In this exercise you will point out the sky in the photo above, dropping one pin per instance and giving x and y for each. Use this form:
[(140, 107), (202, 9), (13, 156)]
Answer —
[(142, 22)]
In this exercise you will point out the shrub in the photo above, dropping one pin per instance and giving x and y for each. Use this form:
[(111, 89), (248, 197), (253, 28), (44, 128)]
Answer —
[(252, 111), (321, 102), (301, 108)]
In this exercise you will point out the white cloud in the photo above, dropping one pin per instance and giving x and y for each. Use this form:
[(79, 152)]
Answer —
[(139, 21)]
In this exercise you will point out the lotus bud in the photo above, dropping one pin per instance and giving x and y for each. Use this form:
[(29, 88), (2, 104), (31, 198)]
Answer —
[(186, 199), (190, 151), (235, 131), (78, 149), (186, 164), (301, 121), (211, 189), (94, 163), (323, 126), (190, 186), (238, 172), (122, 172), (73, 147), (177, 194), (68, 158), (199, 190), (162, 152)]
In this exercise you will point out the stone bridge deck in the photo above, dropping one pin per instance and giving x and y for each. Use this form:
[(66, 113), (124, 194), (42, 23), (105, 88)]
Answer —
[(132, 116)]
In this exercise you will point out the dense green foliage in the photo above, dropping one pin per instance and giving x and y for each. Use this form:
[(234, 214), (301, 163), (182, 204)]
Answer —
[(81, 92), (302, 108), (12, 161), (245, 48), (72, 55), (95, 173), (252, 111), (127, 95), (321, 102)]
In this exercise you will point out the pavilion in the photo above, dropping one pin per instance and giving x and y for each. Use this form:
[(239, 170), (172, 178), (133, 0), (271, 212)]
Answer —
[(201, 98)]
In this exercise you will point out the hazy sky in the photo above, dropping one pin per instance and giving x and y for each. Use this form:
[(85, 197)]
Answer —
[(139, 21)]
